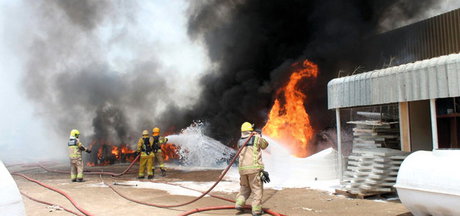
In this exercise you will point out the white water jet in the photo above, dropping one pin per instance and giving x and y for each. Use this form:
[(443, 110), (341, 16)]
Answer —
[(200, 151)]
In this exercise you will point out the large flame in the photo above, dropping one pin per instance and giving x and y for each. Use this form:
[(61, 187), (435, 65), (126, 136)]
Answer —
[(288, 120)]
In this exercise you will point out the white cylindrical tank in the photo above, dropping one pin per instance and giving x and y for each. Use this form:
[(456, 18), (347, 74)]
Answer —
[(428, 183), (10, 198)]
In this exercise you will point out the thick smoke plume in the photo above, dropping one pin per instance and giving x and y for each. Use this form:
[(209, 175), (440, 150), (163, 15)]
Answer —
[(255, 42), (91, 65)]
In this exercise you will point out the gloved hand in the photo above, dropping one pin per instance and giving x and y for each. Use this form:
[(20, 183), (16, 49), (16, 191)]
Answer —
[(88, 150), (264, 176)]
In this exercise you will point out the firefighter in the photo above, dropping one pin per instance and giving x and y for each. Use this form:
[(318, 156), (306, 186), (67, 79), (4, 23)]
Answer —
[(144, 147), (251, 169), (157, 141), (76, 163)]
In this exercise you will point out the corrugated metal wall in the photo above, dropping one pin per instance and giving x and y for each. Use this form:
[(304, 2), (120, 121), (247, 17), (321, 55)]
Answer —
[(433, 78), (427, 39)]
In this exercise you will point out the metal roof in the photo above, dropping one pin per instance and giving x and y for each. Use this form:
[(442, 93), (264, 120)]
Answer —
[(432, 78)]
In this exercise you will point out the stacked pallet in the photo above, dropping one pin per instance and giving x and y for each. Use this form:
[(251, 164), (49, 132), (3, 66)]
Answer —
[(375, 134), (372, 169)]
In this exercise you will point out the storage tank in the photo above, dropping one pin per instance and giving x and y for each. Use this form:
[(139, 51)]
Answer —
[(10, 198), (428, 183)]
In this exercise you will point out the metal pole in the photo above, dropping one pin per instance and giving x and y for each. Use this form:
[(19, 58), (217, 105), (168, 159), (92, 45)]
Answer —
[(434, 125), (339, 144)]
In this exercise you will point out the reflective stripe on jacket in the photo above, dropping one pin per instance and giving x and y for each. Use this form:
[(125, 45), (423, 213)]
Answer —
[(250, 159), (75, 148)]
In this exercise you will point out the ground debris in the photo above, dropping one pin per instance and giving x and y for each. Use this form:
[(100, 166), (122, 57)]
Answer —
[(54, 208), (310, 209)]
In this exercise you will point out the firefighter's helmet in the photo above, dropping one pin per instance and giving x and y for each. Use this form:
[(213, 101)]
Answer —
[(247, 127), (145, 133), (74, 133), (156, 131)]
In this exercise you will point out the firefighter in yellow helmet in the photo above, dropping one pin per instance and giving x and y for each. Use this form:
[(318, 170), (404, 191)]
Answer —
[(145, 148), (76, 163), (157, 141), (251, 169)]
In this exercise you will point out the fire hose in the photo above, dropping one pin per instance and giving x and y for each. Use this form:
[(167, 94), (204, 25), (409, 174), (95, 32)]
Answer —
[(217, 208), (202, 195), (51, 204), (56, 190), (183, 204)]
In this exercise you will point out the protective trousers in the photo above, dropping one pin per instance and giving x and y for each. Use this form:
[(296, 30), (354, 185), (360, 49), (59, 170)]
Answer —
[(76, 168), (159, 158), (146, 162), (250, 183)]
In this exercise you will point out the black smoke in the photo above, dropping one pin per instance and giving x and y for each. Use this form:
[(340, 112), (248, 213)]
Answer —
[(251, 44), (255, 42), (71, 81)]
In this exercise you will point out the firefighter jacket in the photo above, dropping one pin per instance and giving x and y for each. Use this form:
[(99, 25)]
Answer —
[(250, 160), (75, 148), (157, 141)]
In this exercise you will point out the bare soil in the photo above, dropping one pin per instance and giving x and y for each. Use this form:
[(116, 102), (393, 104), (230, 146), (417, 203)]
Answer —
[(103, 201)]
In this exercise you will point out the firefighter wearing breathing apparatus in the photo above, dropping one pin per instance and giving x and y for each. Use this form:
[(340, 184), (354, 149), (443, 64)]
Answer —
[(157, 141), (144, 147), (76, 163), (251, 169)]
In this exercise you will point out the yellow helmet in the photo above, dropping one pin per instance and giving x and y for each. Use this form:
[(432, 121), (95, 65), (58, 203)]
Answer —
[(156, 131), (145, 133), (74, 133), (247, 127)]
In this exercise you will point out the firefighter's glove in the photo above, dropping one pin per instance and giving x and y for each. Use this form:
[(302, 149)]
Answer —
[(88, 150), (264, 177)]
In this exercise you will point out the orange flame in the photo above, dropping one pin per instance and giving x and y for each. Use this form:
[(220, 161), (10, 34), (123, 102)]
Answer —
[(289, 121), (169, 151), (115, 152)]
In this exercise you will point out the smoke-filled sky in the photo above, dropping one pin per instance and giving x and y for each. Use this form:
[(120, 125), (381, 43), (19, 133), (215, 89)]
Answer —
[(114, 68)]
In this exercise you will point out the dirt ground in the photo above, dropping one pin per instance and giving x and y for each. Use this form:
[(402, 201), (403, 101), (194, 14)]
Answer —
[(103, 201)]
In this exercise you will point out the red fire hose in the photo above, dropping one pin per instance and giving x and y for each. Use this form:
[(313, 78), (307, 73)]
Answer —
[(202, 195), (217, 207), (215, 196), (58, 191), (177, 205), (193, 211), (51, 204)]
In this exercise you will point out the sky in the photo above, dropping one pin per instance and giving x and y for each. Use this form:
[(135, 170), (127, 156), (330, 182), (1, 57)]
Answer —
[(26, 134)]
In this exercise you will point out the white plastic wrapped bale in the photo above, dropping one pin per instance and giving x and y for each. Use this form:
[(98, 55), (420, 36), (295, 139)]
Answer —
[(10, 199), (428, 183)]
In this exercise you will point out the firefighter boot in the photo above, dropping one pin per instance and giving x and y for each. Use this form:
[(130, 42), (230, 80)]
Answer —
[(79, 180), (150, 177), (258, 213), (163, 172)]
